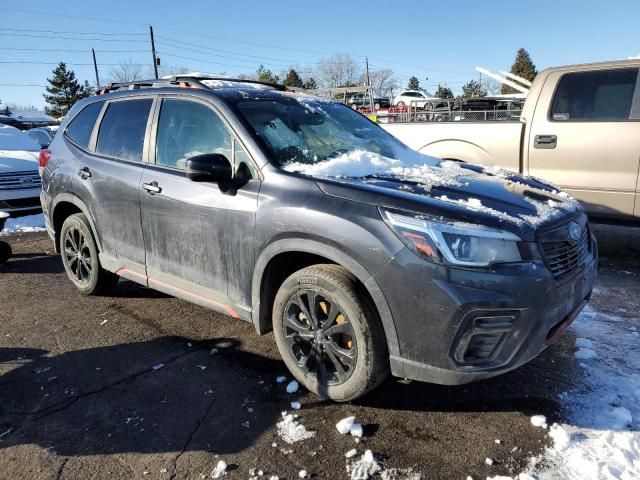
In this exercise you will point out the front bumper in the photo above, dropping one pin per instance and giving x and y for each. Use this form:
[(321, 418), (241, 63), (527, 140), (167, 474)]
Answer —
[(20, 202), (456, 326)]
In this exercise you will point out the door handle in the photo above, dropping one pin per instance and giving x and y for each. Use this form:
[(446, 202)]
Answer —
[(545, 141), (152, 187), (84, 173)]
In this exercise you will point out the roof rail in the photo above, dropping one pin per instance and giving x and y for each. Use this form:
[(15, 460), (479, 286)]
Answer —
[(185, 81), (199, 79)]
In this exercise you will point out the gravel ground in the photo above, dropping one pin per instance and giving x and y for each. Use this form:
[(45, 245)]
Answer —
[(126, 386)]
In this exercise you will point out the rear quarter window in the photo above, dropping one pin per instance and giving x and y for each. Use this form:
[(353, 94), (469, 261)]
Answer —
[(80, 128), (123, 128)]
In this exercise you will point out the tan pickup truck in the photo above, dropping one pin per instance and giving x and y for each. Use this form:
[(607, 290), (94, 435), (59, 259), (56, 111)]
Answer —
[(579, 129)]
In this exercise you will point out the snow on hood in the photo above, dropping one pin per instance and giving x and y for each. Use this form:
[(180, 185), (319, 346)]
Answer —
[(11, 161), (428, 173), (13, 139)]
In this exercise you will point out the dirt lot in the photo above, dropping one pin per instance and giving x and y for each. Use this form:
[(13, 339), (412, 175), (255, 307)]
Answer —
[(80, 397)]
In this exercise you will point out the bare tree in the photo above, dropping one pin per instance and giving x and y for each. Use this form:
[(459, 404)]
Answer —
[(338, 70), (382, 81), (127, 71)]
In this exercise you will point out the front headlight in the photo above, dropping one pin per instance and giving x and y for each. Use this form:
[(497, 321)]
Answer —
[(458, 244)]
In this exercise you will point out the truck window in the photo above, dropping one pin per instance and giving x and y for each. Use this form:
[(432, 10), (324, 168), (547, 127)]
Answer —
[(603, 95)]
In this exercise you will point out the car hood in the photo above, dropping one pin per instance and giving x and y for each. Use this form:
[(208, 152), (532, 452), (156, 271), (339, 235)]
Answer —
[(18, 161), (462, 192)]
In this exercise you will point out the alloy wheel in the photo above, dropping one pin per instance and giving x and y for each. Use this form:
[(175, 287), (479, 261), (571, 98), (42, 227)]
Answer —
[(78, 256), (320, 336)]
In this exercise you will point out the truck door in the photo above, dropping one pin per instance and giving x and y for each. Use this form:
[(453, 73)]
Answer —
[(585, 137)]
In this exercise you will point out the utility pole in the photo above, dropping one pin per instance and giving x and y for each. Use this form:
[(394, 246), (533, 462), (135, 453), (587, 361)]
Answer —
[(95, 68), (368, 79), (153, 51)]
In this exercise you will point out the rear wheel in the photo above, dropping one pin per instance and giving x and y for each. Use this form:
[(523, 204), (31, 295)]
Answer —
[(80, 257), (328, 334)]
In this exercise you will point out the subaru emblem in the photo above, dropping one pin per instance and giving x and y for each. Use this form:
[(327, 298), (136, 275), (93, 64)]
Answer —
[(575, 231)]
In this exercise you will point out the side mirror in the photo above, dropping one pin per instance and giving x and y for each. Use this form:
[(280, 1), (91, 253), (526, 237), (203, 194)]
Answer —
[(209, 167)]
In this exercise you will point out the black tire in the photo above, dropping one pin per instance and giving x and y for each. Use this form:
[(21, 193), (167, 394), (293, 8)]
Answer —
[(79, 254), (340, 353), (5, 252)]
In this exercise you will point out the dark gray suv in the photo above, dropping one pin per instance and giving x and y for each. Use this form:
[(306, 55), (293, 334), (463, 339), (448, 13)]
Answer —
[(302, 216)]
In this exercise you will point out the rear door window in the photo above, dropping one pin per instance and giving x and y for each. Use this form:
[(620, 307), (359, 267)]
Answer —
[(602, 95), (123, 128), (80, 128)]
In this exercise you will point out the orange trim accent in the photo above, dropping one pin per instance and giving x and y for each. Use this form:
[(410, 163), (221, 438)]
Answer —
[(124, 271), (229, 310)]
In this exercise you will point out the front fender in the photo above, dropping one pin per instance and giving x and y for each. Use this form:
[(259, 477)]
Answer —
[(260, 315)]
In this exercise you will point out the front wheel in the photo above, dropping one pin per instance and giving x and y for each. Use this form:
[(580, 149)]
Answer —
[(80, 257), (327, 333)]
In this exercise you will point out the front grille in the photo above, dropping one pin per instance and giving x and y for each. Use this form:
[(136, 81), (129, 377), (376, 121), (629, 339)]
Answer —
[(563, 257), (19, 180)]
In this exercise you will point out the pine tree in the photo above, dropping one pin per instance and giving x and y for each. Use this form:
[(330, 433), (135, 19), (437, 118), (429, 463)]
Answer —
[(444, 92), (473, 89), (64, 91), (266, 75), (293, 79), (414, 84), (523, 67), (311, 84)]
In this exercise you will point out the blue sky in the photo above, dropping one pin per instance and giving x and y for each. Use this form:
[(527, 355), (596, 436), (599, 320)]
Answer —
[(442, 41)]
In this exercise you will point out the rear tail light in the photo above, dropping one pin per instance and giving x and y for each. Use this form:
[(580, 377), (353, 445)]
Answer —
[(45, 155)]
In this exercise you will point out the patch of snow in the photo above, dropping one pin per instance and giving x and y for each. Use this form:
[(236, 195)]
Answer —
[(12, 138), (539, 421), (303, 474), (364, 468), (29, 223), (586, 354), (292, 431), (158, 366), (292, 387), (344, 425), (400, 474), (488, 461), (356, 430), (220, 470), (296, 405), (351, 453), (281, 379), (600, 438)]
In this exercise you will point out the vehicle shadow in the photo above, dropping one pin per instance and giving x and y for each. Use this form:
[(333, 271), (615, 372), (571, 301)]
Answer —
[(149, 397), (33, 263)]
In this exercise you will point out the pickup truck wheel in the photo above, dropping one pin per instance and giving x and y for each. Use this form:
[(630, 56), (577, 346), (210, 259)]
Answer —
[(327, 333), (80, 257)]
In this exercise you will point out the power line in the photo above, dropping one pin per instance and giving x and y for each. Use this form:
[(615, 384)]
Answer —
[(71, 38), (66, 32), (21, 85), (68, 50)]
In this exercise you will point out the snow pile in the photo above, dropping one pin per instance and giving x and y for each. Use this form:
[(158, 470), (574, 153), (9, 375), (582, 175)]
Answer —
[(349, 425), (292, 431), (220, 470), (363, 468), (30, 223), (292, 387), (400, 474), (358, 163), (601, 438), (539, 421)]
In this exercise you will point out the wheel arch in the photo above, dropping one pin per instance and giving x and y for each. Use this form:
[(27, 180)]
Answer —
[(460, 150), (64, 205), (315, 252)]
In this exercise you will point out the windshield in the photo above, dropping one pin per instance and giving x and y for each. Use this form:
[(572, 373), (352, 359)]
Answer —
[(306, 134)]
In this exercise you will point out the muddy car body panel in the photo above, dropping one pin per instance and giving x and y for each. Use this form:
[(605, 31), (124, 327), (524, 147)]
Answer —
[(229, 246)]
